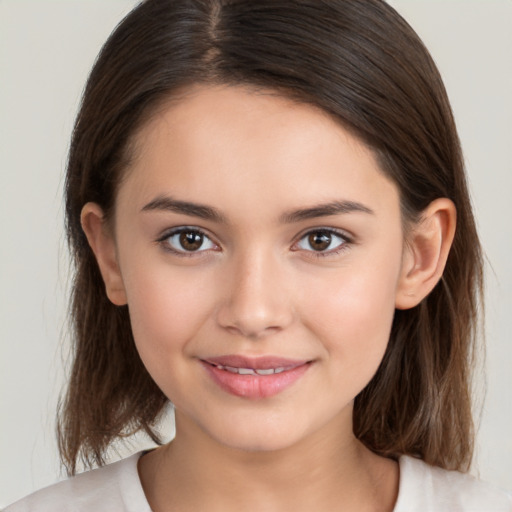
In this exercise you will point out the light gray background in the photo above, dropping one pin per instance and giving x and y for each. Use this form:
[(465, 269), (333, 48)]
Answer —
[(46, 50)]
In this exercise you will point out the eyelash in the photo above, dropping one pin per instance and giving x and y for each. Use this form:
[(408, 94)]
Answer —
[(343, 246), (163, 241)]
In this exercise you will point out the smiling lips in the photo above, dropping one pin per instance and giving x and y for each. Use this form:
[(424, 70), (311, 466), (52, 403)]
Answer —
[(254, 378)]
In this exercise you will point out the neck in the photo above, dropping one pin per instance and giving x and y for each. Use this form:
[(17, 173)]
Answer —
[(330, 470)]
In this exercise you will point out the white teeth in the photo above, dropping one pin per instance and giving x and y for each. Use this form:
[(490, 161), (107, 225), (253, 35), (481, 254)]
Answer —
[(270, 371), (246, 371), (250, 371)]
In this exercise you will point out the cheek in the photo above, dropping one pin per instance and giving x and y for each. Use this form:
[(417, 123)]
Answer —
[(354, 319), (166, 309)]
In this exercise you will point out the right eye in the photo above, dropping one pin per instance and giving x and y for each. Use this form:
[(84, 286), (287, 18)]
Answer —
[(187, 240)]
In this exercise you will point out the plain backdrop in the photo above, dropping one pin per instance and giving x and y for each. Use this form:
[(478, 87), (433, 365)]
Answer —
[(46, 50)]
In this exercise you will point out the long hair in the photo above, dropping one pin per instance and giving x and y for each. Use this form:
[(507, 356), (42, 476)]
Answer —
[(359, 61)]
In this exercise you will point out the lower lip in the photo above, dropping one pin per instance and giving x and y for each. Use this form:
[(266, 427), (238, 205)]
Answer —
[(255, 386)]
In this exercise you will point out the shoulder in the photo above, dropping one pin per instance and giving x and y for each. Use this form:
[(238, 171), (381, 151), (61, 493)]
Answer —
[(113, 487), (432, 489)]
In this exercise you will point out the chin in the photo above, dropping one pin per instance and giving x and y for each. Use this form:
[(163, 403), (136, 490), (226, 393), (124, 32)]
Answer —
[(255, 433)]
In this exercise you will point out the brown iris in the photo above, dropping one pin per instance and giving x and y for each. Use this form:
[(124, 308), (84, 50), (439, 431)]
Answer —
[(320, 240), (191, 240)]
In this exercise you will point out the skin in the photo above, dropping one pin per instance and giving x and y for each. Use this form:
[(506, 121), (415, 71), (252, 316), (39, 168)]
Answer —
[(257, 287)]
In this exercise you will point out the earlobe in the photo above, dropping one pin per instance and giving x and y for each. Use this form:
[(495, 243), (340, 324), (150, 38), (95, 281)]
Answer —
[(426, 252), (102, 243)]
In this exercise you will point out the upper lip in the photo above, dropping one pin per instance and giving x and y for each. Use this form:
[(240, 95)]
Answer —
[(256, 363)]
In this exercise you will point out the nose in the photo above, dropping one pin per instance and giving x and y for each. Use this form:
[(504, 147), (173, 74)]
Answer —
[(257, 301)]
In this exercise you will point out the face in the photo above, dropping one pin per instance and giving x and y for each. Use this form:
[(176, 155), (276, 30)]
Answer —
[(260, 250)]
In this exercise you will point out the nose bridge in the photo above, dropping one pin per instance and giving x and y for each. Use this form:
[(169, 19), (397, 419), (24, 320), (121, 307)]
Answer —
[(257, 301)]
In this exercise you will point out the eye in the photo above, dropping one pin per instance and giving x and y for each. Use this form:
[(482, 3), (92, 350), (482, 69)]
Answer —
[(322, 241), (187, 240)]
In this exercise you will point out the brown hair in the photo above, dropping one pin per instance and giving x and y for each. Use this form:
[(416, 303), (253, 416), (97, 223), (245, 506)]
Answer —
[(359, 61)]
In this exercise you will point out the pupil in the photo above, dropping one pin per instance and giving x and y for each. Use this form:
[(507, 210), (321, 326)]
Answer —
[(190, 240), (319, 241)]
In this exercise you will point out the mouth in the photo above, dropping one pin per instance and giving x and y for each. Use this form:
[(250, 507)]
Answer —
[(251, 371), (255, 378)]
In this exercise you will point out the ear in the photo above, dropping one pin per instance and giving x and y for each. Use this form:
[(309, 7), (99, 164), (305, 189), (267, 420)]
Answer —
[(425, 253), (101, 240)]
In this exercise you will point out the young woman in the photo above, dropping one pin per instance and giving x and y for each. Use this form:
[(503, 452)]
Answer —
[(268, 212)]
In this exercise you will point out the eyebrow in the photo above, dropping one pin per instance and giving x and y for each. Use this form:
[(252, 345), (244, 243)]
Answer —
[(324, 210), (164, 203)]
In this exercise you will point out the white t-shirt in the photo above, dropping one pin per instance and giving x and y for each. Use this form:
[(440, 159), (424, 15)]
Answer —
[(117, 488)]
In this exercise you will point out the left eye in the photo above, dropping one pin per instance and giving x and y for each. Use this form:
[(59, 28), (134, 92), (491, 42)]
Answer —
[(321, 240), (188, 240)]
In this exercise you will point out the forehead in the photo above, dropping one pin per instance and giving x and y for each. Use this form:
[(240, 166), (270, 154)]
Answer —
[(219, 143)]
